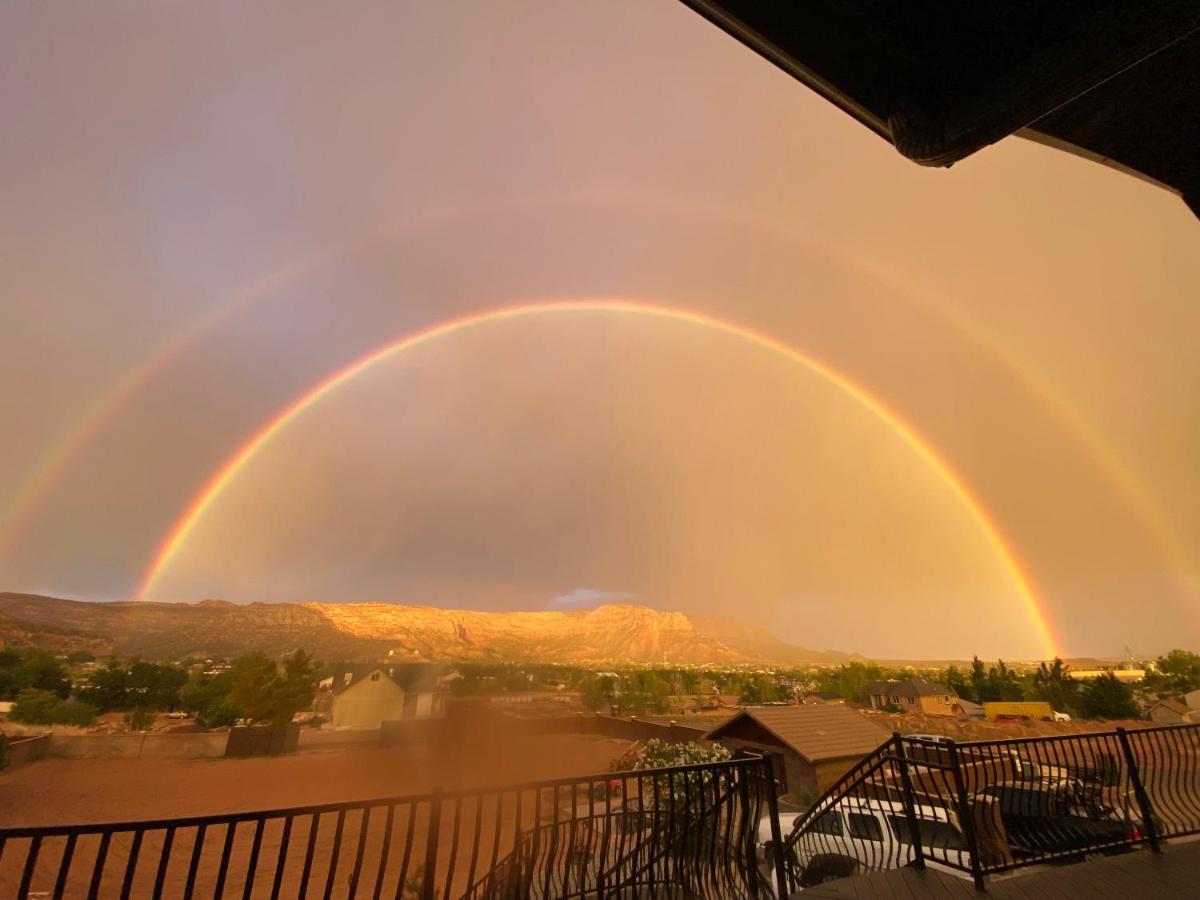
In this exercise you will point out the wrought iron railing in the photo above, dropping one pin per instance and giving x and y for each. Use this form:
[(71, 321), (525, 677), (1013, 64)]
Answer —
[(983, 807), (682, 831)]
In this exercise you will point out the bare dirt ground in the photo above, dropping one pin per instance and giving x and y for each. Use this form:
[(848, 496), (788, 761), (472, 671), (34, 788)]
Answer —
[(59, 791), (62, 791), (968, 730)]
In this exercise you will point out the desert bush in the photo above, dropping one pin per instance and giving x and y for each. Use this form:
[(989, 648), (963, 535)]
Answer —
[(139, 719), (35, 707)]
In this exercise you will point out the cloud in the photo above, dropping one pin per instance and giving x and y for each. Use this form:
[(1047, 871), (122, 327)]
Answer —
[(587, 598)]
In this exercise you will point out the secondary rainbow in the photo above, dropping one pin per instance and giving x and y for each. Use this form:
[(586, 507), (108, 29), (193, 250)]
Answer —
[(175, 539)]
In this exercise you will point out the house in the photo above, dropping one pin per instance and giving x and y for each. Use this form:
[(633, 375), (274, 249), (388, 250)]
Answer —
[(1171, 711), (1192, 699), (914, 695), (969, 709), (812, 746), (368, 696)]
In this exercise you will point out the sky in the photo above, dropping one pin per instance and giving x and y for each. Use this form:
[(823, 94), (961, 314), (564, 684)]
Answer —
[(754, 364)]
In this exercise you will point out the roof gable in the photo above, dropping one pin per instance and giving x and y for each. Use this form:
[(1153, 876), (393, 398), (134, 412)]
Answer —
[(912, 687), (406, 676), (814, 732)]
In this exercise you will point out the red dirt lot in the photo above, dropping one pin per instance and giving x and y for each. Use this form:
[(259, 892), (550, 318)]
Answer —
[(70, 791)]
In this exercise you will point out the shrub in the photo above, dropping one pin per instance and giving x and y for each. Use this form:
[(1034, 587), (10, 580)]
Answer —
[(34, 707), (139, 719), (219, 715), (656, 754)]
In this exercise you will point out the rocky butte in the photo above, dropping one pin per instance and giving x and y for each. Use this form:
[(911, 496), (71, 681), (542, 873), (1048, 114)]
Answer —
[(613, 633)]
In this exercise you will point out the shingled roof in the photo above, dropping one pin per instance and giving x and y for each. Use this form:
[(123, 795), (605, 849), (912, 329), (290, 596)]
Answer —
[(912, 687), (816, 733), (418, 677)]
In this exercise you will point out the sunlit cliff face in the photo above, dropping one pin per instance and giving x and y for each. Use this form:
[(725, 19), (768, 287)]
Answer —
[(200, 229)]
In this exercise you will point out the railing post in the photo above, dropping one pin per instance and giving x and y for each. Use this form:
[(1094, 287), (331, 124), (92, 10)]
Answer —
[(431, 843), (743, 786), (1139, 791), (782, 887), (967, 816), (910, 801)]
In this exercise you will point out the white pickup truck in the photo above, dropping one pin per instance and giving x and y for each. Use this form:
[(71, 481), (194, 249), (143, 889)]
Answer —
[(860, 835), (1038, 819)]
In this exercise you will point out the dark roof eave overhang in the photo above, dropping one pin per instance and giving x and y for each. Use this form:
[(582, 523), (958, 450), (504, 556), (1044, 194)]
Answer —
[(889, 66)]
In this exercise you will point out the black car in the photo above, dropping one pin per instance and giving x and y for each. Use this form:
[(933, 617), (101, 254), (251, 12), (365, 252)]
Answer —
[(1053, 819)]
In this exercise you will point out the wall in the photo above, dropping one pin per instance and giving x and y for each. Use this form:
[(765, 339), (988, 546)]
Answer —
[(477, 721), (799, 778), (831, 770), (262, 740), (1160, 715), (317, 739), (369, 702), (639, 730), (138, 746), (937, 705), (23, 750)]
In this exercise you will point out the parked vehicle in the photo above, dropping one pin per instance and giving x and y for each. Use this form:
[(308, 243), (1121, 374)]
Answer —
[(1040, 819), (931, 738), (1053, 818), (859, 834)]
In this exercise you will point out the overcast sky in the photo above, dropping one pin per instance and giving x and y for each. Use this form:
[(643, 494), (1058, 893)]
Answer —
[(209, 208)]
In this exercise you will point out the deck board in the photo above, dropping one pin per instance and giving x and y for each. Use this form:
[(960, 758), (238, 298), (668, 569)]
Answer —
[(1155, 876)]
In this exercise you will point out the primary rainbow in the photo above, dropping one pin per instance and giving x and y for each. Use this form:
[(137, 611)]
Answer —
[(171, 545)]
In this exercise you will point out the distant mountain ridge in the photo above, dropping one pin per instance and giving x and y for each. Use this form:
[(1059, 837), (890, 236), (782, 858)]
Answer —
[(611, 633)]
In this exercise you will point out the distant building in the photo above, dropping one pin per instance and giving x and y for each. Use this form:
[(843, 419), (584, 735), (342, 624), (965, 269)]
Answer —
[(914, 695), (1192, 699), (812, 746), (1170, 711), (970, 709), (367, 696)]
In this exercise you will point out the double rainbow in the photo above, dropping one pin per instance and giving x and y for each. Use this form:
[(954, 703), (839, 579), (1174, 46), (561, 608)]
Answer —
[(186, 523)]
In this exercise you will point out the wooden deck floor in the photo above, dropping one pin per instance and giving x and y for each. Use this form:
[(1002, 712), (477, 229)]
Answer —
[(1173, 873)]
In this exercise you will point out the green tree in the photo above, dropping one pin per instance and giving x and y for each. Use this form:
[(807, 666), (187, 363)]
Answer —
[(21, 670), (1106, 697), (1054, 684), (851, 682), (221, 714), (1004, 683), (978, 680), (107, 689), (265, 694), (761, 689), (202, 693), (597, 691), (1179, 671), (153, 685), (38, 707), (957, 682)]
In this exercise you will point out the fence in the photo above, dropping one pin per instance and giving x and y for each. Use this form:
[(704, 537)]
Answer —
[(983, 807), (262, 740), (22, 750), (681, 831)]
